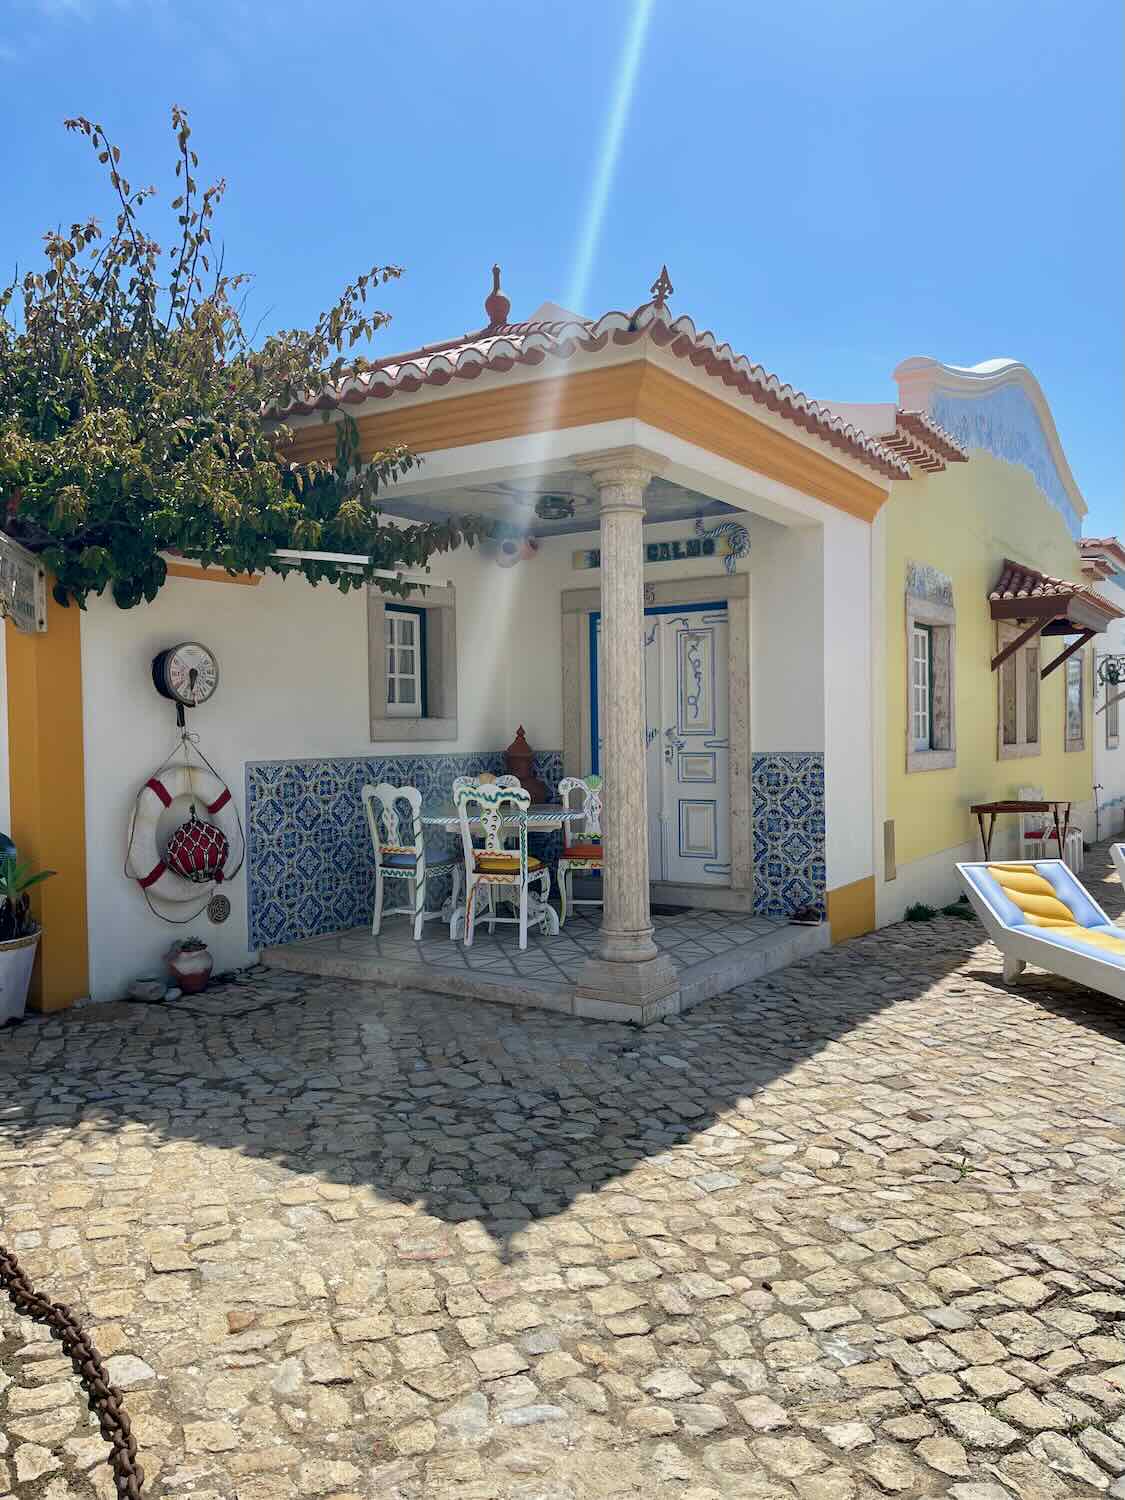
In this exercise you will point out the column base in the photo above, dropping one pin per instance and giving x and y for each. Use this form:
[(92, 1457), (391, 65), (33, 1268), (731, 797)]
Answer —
[(637, 946), (637, 993)]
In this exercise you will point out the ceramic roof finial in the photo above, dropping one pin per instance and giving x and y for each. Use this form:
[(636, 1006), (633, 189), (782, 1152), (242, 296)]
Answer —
[(496, 305)]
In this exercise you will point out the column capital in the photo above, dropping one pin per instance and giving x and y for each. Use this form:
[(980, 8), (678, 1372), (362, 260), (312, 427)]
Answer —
[(621, 470)]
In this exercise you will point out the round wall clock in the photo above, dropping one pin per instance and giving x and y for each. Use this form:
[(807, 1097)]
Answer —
[(187, 673)]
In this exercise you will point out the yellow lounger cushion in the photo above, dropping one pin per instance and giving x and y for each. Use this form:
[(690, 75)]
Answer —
[(1034, 895), (1096, 940)]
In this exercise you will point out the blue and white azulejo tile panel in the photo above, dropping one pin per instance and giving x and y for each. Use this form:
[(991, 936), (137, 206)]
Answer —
[(788, 796), (308, 853)]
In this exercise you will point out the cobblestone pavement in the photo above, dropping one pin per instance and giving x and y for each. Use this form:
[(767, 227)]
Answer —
[(852, 1231)]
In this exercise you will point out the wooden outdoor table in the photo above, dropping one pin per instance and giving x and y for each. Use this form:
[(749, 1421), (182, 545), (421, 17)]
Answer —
[(992, 809)]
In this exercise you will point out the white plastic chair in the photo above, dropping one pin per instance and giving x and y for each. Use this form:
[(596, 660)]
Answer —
[(490, 867), (395, 823), (582, 839), (1037, 835)]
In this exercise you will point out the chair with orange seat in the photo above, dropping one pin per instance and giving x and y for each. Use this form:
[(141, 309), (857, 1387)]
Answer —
[(582, 839), (1038, 912), (488, 864)]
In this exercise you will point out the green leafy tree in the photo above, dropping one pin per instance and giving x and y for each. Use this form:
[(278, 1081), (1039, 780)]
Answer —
[(135, 406)]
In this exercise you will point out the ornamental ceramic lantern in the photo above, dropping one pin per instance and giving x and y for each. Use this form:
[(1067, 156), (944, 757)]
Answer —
[(519, 758)]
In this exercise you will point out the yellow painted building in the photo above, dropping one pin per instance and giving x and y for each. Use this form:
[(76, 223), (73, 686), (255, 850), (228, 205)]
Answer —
[(957, 727)]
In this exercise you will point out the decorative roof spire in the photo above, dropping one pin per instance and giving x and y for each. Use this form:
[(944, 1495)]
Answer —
[(661, 288), (496, 305)]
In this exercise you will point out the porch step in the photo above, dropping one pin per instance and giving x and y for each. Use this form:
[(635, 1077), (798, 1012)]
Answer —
[(714, 953)]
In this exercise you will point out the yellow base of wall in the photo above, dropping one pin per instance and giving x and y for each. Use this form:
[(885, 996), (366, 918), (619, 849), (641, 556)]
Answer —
[(48, 787), (851, 909)]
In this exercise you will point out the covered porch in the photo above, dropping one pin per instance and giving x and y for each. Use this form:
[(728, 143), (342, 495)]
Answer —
[(623, 636), (676, 601)]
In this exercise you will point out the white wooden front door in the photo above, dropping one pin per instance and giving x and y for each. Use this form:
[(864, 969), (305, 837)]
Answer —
[(687, 743)]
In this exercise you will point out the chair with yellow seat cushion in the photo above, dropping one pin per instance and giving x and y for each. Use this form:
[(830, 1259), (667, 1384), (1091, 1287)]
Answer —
[(1038, 912), (491, 868), (582, 838)]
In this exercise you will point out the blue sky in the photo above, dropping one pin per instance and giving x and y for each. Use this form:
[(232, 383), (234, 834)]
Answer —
[(834, 186)]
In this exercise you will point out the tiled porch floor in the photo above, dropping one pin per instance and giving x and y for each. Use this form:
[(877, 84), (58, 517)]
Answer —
[(713, 951)]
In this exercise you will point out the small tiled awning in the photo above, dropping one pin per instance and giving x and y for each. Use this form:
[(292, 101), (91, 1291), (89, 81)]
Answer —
[(1050, 606)]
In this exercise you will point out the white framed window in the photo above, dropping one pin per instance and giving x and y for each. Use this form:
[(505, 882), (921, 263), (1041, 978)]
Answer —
[(412, 664), (1112, 717), (1075, 710), (404, 646), (931, 640), (921, 687), (1018, 697)]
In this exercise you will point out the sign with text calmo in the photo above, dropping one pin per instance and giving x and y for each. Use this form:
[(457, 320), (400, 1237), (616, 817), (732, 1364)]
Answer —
[(23, 587), (726, 542)]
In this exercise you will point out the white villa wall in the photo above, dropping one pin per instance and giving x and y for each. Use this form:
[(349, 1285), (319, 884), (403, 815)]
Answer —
[(293, 683), (1109, 765), (787, 629), (849, 773)]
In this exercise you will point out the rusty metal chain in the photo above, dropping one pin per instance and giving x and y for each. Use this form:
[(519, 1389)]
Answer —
[(104, 1399)]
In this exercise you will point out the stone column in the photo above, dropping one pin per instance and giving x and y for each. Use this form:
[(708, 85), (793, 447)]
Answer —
[(629, 980)]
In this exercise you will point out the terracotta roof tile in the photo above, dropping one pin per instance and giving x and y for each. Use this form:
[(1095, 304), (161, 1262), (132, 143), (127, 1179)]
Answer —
[(1018, 582), (496, 350), (1105, 547), (923, 443)]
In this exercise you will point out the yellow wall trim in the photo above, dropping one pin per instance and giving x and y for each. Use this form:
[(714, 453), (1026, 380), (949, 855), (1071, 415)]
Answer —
[(48, 787), (212, 575), (851, 909), (638, 389)]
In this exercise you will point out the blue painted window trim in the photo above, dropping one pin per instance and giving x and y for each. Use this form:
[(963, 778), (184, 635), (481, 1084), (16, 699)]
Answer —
[(423, 650), (595, 615)]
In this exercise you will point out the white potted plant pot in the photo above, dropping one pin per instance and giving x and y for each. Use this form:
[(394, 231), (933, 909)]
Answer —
[(17, 959)]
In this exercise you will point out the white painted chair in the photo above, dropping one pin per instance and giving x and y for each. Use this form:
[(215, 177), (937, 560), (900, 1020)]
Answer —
[(492, 869), (1037, 834), (1038, 912), (582, 839), (394, 820), (510, 782)]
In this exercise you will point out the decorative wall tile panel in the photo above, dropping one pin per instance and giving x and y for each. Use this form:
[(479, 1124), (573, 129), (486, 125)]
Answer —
[(309, 863), (308, 854), (788, 792)]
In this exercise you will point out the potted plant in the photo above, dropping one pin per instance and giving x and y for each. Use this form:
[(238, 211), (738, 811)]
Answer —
[(19, 933), (190, 963)]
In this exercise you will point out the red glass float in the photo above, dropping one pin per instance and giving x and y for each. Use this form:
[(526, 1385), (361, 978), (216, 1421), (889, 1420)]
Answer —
[(198, 851)]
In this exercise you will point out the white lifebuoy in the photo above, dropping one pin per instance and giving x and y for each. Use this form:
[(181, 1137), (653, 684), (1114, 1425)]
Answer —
[(145, 861)]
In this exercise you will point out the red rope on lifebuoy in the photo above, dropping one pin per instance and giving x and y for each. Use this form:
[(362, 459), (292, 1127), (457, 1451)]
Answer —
[(153, 875), (161, 790), (220, 801)]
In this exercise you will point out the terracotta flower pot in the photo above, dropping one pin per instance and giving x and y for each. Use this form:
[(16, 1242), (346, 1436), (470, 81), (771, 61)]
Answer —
[(191, 969)]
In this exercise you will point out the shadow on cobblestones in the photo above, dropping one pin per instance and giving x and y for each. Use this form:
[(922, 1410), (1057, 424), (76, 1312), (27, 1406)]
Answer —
[(475, 1112), (853, 1231)]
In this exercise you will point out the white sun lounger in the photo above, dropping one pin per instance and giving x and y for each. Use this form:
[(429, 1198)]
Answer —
[(1037, 912)]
